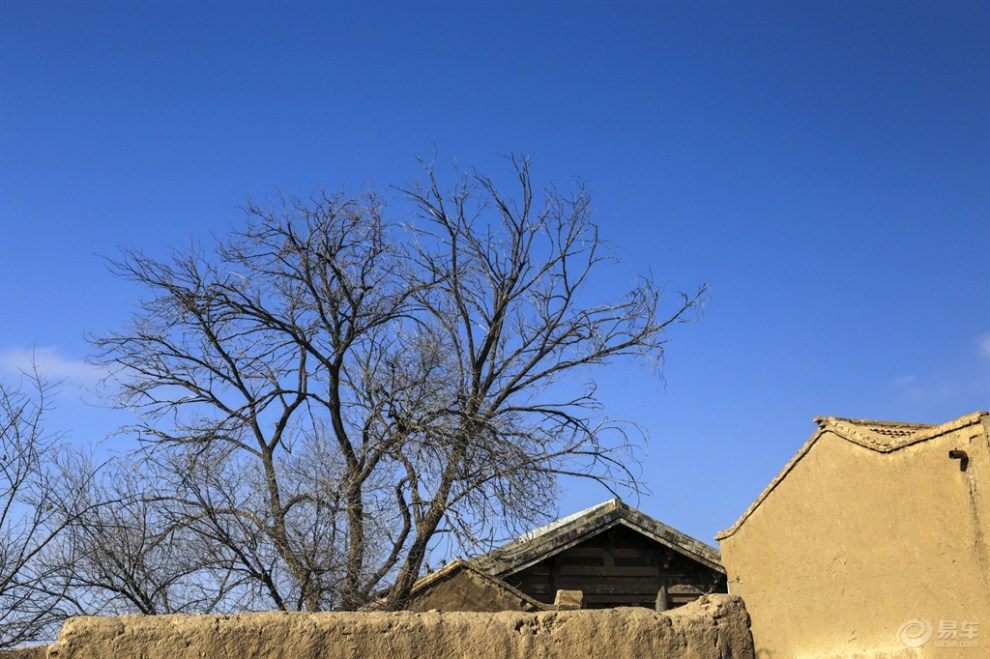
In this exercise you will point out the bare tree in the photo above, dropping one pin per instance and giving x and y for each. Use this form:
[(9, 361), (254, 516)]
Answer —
[(129, 551), (34, 509), (333, 392)]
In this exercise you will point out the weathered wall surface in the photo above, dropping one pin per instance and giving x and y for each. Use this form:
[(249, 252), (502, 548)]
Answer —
[(714, 627), (867, 554), (467, 590), (35, 652)]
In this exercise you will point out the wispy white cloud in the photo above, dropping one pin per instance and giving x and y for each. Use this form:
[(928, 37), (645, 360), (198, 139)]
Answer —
[(968, 382), (983, 346), (905, 381), (50, 365), (936, 387)]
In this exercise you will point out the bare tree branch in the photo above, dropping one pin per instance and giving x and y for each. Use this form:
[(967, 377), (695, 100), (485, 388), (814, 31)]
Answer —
[(327, 392)]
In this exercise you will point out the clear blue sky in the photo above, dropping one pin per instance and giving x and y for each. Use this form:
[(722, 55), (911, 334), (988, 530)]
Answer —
[(824, 166)]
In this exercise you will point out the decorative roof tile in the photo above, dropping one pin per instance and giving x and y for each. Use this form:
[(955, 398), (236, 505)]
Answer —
[(879, 436), (564, 533)]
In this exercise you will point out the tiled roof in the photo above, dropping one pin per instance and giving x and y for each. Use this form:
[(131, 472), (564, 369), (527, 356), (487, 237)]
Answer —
[(883, 436), (449, 570), (460, 565), (879, 436), (562, 534)]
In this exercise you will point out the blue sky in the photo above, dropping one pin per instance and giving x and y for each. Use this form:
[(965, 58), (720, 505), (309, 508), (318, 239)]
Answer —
[(825, 167)]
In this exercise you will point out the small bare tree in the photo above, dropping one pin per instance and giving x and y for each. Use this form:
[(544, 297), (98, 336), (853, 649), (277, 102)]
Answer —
[(332, 392), (129, 551), (34, 509)]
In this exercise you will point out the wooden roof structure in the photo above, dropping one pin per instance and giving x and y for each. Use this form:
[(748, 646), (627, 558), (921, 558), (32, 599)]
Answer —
[(614, 554)]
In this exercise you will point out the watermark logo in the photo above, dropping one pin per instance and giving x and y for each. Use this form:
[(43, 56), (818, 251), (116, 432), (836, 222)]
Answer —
[(948, 633), (915, 633)]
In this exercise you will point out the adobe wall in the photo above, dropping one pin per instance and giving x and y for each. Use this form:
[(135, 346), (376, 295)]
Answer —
[(857, 553), (466, 590), (33, 652), (714, 627)]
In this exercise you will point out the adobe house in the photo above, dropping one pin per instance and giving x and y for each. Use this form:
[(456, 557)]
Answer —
[(606, 556), (614, 555), (461, 586), (871, 542)]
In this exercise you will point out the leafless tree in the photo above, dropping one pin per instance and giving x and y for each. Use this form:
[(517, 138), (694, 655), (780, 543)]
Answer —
[(128, 551), (34, 509), (332, 392)]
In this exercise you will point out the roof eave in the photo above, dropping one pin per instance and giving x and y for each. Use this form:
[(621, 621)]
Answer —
[(558, 538)]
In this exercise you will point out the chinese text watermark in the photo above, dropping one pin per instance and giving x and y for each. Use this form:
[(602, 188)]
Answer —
[(945, 633)]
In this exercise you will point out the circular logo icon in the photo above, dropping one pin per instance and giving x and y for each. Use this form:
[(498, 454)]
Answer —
[(915, 633)]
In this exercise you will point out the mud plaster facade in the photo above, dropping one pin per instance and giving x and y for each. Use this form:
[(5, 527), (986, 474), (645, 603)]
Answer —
[(460, 586), (714, 627), (872, 542)]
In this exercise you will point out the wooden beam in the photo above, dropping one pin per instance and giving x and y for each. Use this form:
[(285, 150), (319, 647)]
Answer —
[(609, 572)]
